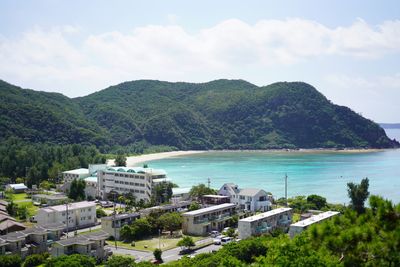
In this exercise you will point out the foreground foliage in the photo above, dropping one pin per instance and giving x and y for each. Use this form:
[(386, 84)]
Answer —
[(351, 239)]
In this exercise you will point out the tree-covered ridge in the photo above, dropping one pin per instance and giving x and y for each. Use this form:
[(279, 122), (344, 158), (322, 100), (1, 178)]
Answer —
[(222, 114)]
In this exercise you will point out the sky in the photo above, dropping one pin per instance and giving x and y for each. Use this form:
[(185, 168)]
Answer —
[(348, 50)]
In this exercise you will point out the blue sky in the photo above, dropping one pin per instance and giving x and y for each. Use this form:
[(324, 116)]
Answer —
[(348, 51)]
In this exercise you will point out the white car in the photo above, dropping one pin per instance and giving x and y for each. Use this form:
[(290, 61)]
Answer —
[(217, 240), (226, 240)]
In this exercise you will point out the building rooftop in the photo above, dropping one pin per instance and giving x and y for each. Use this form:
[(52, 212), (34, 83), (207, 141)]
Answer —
[(18, 186), (75, 205), (9, 223), (209, 209), (78, 171), (315, 219), (139, 170), (121, 216), (267, 214), (215, 196), (250, 191), (91, 179), (84, 239)]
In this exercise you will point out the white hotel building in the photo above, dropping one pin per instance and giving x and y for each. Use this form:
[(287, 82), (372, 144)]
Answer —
[(80, 214), (123, 180)]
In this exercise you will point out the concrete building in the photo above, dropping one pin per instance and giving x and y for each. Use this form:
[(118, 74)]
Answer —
[(300, 226), (176, 207), (91, 187), (113, 224), (90, 244), (50, 200), (209, 200), (180, 194), (17, 188), (203, 221), (250, 199), (80, 214), (69, 176), (88, 175), (265, 222), (33, 240), (135, 180)]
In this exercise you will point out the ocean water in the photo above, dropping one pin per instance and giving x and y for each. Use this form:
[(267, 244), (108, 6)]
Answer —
[(323, 173)]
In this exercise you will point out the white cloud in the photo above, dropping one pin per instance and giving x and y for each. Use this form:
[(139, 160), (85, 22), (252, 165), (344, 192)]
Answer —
[(376, 97), (57, 59)]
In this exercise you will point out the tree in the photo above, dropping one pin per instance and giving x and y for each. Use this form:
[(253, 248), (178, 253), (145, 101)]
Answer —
[(171, 221), (197, 191), (194, 206), (12, 208), (126, 232), (120, 160), (358, 193), (77, 190), (10, 261), (120, 261), (231, 232), (163, 192), (318, 202), (74, 260), (157, 254), (20, 180), (100, 213), (23, 212), (35, 260), (186, 242), (46, 185)]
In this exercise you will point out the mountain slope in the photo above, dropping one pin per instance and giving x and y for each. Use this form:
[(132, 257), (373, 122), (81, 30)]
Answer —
[(44, 117), (222, 114)]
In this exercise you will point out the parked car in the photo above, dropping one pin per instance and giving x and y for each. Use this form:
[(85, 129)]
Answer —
[(225, 240), (214, 233), (217, 240)]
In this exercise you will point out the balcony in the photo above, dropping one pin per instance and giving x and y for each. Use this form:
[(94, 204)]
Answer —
[(263, 229)]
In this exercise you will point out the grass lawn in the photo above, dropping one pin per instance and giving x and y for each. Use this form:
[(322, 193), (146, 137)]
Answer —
[(151, 244), (21, 197), (32, 209)]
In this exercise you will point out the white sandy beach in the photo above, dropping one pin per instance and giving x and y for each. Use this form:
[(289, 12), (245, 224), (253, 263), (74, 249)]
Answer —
[(136, 160)]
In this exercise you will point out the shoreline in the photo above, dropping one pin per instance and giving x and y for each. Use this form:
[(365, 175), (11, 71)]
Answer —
[(132, 161)]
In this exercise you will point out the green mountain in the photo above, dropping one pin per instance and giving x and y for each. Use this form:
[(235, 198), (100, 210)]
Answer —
[(222, 114)]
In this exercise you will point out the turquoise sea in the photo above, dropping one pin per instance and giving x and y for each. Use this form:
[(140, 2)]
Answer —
[(323, 173)]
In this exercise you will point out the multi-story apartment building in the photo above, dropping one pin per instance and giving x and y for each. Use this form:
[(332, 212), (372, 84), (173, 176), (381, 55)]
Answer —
[(265, 222), (113, 224), (69, 176), (250, 199), (32, 240), (90, 244), (300, 226), (80, 214), (203, 221), (135, 180), (88, 175)]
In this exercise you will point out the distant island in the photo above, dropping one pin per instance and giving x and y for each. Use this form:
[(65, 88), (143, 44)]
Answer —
[(221, 114), (390, 125)]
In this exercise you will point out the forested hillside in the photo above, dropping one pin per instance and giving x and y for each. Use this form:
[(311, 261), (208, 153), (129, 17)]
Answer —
[(222, 114)]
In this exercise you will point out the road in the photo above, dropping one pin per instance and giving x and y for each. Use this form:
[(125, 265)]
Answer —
[(168, 255)]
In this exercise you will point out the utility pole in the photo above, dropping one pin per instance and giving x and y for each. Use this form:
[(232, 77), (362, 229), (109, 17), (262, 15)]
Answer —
[(114, 223), (159, 238), (66, 207), (286, 189), (208, 182)]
